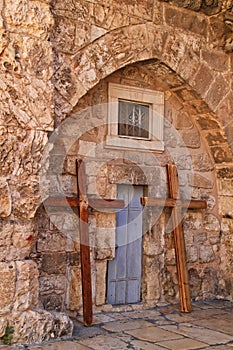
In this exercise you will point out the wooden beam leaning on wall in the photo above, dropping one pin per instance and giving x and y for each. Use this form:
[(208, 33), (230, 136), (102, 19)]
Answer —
[(176, 204), (81, 204)]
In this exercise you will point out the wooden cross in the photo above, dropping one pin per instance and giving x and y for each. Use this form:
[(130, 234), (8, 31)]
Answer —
[(81, 204), (179, 241)]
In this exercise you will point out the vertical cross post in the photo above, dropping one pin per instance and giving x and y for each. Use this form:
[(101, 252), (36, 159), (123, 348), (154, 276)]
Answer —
[(84, 243), (179, 240)]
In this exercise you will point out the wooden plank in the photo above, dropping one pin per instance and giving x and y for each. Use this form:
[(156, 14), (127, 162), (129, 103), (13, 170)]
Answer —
[(62, 202), (179, 240), (170, 202), (96, 203), (84, 244)]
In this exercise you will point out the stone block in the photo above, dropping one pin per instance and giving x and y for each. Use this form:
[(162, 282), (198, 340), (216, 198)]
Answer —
[(31, 18), (192, 254), (175, 50), (52, 302), (197, 180), (17, 240), (225, 187), (211, 223), (158, 37), (21, 151), (68, 185), (105, 242), (183, 121), (107, 17), (170, 259), (217, 92), (224, 110), (202, 162), (64, 32), (151, 282), (200, 237), (203, 79), (53, 263), (25, 196), (23, 106), (225, 172), (51, 241), (216, 59), (195, 283), (87, 149), (206, 254), (68, 86), (183, 162), (100, 286), (53, 284), (227, 226), (189, 66), (37, 326), (207, 122), (209, 282), (221, 153), (5, 199), (191, 138), (74, 292), (27, 285), (169, 288), (186, 20), (226, 206), (126, 174), (193, 221), (7, 287), (3, 325)]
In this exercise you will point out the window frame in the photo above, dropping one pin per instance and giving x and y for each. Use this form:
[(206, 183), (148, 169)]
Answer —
[(134, 94)]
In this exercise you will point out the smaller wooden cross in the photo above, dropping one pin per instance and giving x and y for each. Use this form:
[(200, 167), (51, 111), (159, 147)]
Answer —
[(81, 204), (176, 204)]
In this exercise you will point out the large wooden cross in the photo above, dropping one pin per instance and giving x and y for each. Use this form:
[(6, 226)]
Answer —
[(81, 204), (176, 204)]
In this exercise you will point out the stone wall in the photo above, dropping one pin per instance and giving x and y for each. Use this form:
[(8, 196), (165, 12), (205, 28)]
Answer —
[(53, 55), (25, 119), (186, 144)]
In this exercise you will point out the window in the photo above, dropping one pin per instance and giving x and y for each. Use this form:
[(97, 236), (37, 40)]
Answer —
[(135, 118)]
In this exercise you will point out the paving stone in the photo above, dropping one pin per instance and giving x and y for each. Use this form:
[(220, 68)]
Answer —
[(202, 334), (216, 324), (99, 318), (202, 314), (228, 316), (65, 345), (81, 331), (221, 347), (143, 345), (125, 325), (146, 314), (182, 318), (105, 343), (183, 344), (153, 334)]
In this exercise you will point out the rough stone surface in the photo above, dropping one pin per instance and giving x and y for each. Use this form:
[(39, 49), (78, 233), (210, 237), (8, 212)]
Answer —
[(7, 286), (5, 201), (56, 61), (37, 326)]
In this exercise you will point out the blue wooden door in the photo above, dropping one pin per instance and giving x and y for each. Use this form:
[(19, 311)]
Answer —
[(124, 272)]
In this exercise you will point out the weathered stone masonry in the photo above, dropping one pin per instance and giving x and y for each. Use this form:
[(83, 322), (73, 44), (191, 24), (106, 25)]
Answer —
[(57, 59)]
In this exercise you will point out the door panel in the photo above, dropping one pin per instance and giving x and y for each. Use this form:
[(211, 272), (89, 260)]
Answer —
[(124, 272)]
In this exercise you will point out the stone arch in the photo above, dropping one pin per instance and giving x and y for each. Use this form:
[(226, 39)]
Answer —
[(187, 54)]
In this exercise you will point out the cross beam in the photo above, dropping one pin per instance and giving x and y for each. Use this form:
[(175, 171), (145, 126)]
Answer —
[(176, 204), (80, 204)]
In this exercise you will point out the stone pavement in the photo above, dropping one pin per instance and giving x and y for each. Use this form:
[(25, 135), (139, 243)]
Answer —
[(209, 326)]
